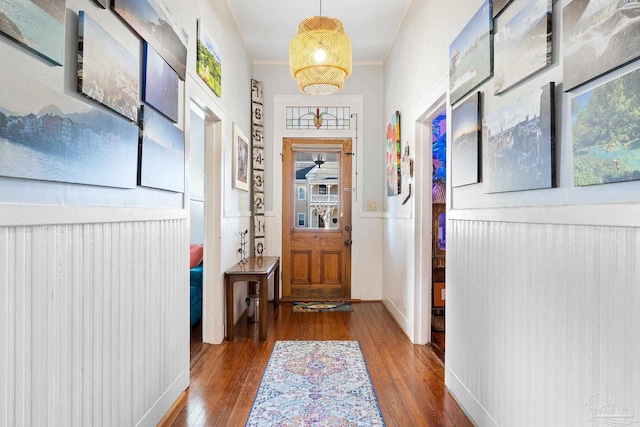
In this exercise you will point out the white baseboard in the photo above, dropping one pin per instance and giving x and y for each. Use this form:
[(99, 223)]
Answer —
[(399, 317), (165, 402), (474, 410)]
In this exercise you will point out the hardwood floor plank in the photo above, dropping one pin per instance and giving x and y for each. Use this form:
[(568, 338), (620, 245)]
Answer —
[(408, 379)]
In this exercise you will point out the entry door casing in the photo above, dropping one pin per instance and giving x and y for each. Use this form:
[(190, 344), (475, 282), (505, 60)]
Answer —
[(316, 253)]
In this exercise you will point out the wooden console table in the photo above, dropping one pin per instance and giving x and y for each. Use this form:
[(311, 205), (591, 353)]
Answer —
[(254, 270)]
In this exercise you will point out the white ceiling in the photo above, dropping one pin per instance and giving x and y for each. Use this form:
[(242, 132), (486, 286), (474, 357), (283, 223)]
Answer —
[(267, 26)]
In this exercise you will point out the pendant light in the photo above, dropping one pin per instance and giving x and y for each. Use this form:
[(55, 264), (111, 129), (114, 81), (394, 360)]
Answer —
[(320, 55)]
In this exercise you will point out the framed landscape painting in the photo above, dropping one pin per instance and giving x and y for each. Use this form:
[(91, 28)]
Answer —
[(107, 72), (465, 144), (161, 153), (160, 84), (240, 160), (519, 153), (208, 63), (155, 24), (37, 25), (527, 37), (606, 132), (470, 54), (598, 36), (48, 136)]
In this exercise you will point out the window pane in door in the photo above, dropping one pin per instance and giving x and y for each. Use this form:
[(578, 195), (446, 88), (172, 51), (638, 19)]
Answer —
[(317, 180)]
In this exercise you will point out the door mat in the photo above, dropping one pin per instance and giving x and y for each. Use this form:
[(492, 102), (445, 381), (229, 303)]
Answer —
[(316, 307)]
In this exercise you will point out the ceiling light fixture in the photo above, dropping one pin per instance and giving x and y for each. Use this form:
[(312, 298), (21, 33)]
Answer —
[(320, 55)]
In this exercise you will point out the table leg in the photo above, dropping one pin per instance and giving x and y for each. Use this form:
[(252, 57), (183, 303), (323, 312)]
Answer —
[(264, 301), (228, 284), (276, 287)]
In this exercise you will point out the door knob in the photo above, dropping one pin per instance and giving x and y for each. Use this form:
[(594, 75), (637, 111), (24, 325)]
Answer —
[(347, 242), (347, 227)]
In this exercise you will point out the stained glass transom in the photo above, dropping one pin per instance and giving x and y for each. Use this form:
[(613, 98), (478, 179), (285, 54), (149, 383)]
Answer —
[(319, 117)]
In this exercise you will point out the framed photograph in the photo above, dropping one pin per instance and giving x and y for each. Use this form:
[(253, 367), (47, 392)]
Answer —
[(527, 37), (102, 3), (393, 156), (160, 84), (470, 54), (49, 136), (598, 36), (107, 72), (606, 132), (37, 25), (466, 142), (241, 150), (155, 24), (519, 144), (499, 6), (208, 63), (161, 153)]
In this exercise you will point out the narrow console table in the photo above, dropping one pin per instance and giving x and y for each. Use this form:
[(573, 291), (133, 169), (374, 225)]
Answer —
[(256, 269)]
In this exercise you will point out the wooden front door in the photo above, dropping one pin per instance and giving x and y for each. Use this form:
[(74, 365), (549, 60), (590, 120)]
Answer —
[(316, 219)]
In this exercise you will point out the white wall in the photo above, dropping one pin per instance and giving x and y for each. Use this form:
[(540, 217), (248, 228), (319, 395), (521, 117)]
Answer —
[(95, 280), (541, 285), (363, 92)]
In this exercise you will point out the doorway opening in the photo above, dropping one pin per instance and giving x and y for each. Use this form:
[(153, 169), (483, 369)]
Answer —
[(203, 128), (439, 232), (316, 220), (430, 219), (197, 143)]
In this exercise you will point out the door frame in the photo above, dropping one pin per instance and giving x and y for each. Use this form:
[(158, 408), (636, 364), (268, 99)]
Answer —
[(212, 284), (273, 166), (345, 193), (429, 107)]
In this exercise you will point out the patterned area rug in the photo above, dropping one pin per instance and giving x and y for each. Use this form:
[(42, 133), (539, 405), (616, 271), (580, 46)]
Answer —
[(316, 383), (314, 307)]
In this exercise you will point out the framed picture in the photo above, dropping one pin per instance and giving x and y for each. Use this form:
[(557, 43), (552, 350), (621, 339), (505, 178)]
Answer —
[(393, 156), (466, 142), (598, 36), (155, 24), (499, 6), (50, 136), (606, 132), (160, 84), (519, 145), (161, 153), (102, 3), (470, 54), (37, 25), (208, 63), (527, 37), (107, 72), (240, 160), (439, 147)]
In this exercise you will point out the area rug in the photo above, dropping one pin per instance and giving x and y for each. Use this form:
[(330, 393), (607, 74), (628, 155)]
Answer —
[(316, 383), (314, 307)]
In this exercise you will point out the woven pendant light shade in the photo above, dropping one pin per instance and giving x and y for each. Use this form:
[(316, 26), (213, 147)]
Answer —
[(320, 56)]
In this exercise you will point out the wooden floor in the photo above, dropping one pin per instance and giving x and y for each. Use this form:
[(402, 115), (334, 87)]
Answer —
[(437, 343), (408, 378)]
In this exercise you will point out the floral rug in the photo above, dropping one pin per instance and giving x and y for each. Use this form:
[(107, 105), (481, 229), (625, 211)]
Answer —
[(316, 383), (314, 307)]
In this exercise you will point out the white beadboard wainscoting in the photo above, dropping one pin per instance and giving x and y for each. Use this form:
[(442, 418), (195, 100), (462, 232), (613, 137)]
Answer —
[(92, 322), (543, 322)]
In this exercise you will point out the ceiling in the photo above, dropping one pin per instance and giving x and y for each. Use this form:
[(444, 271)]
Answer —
[(267, 26)]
